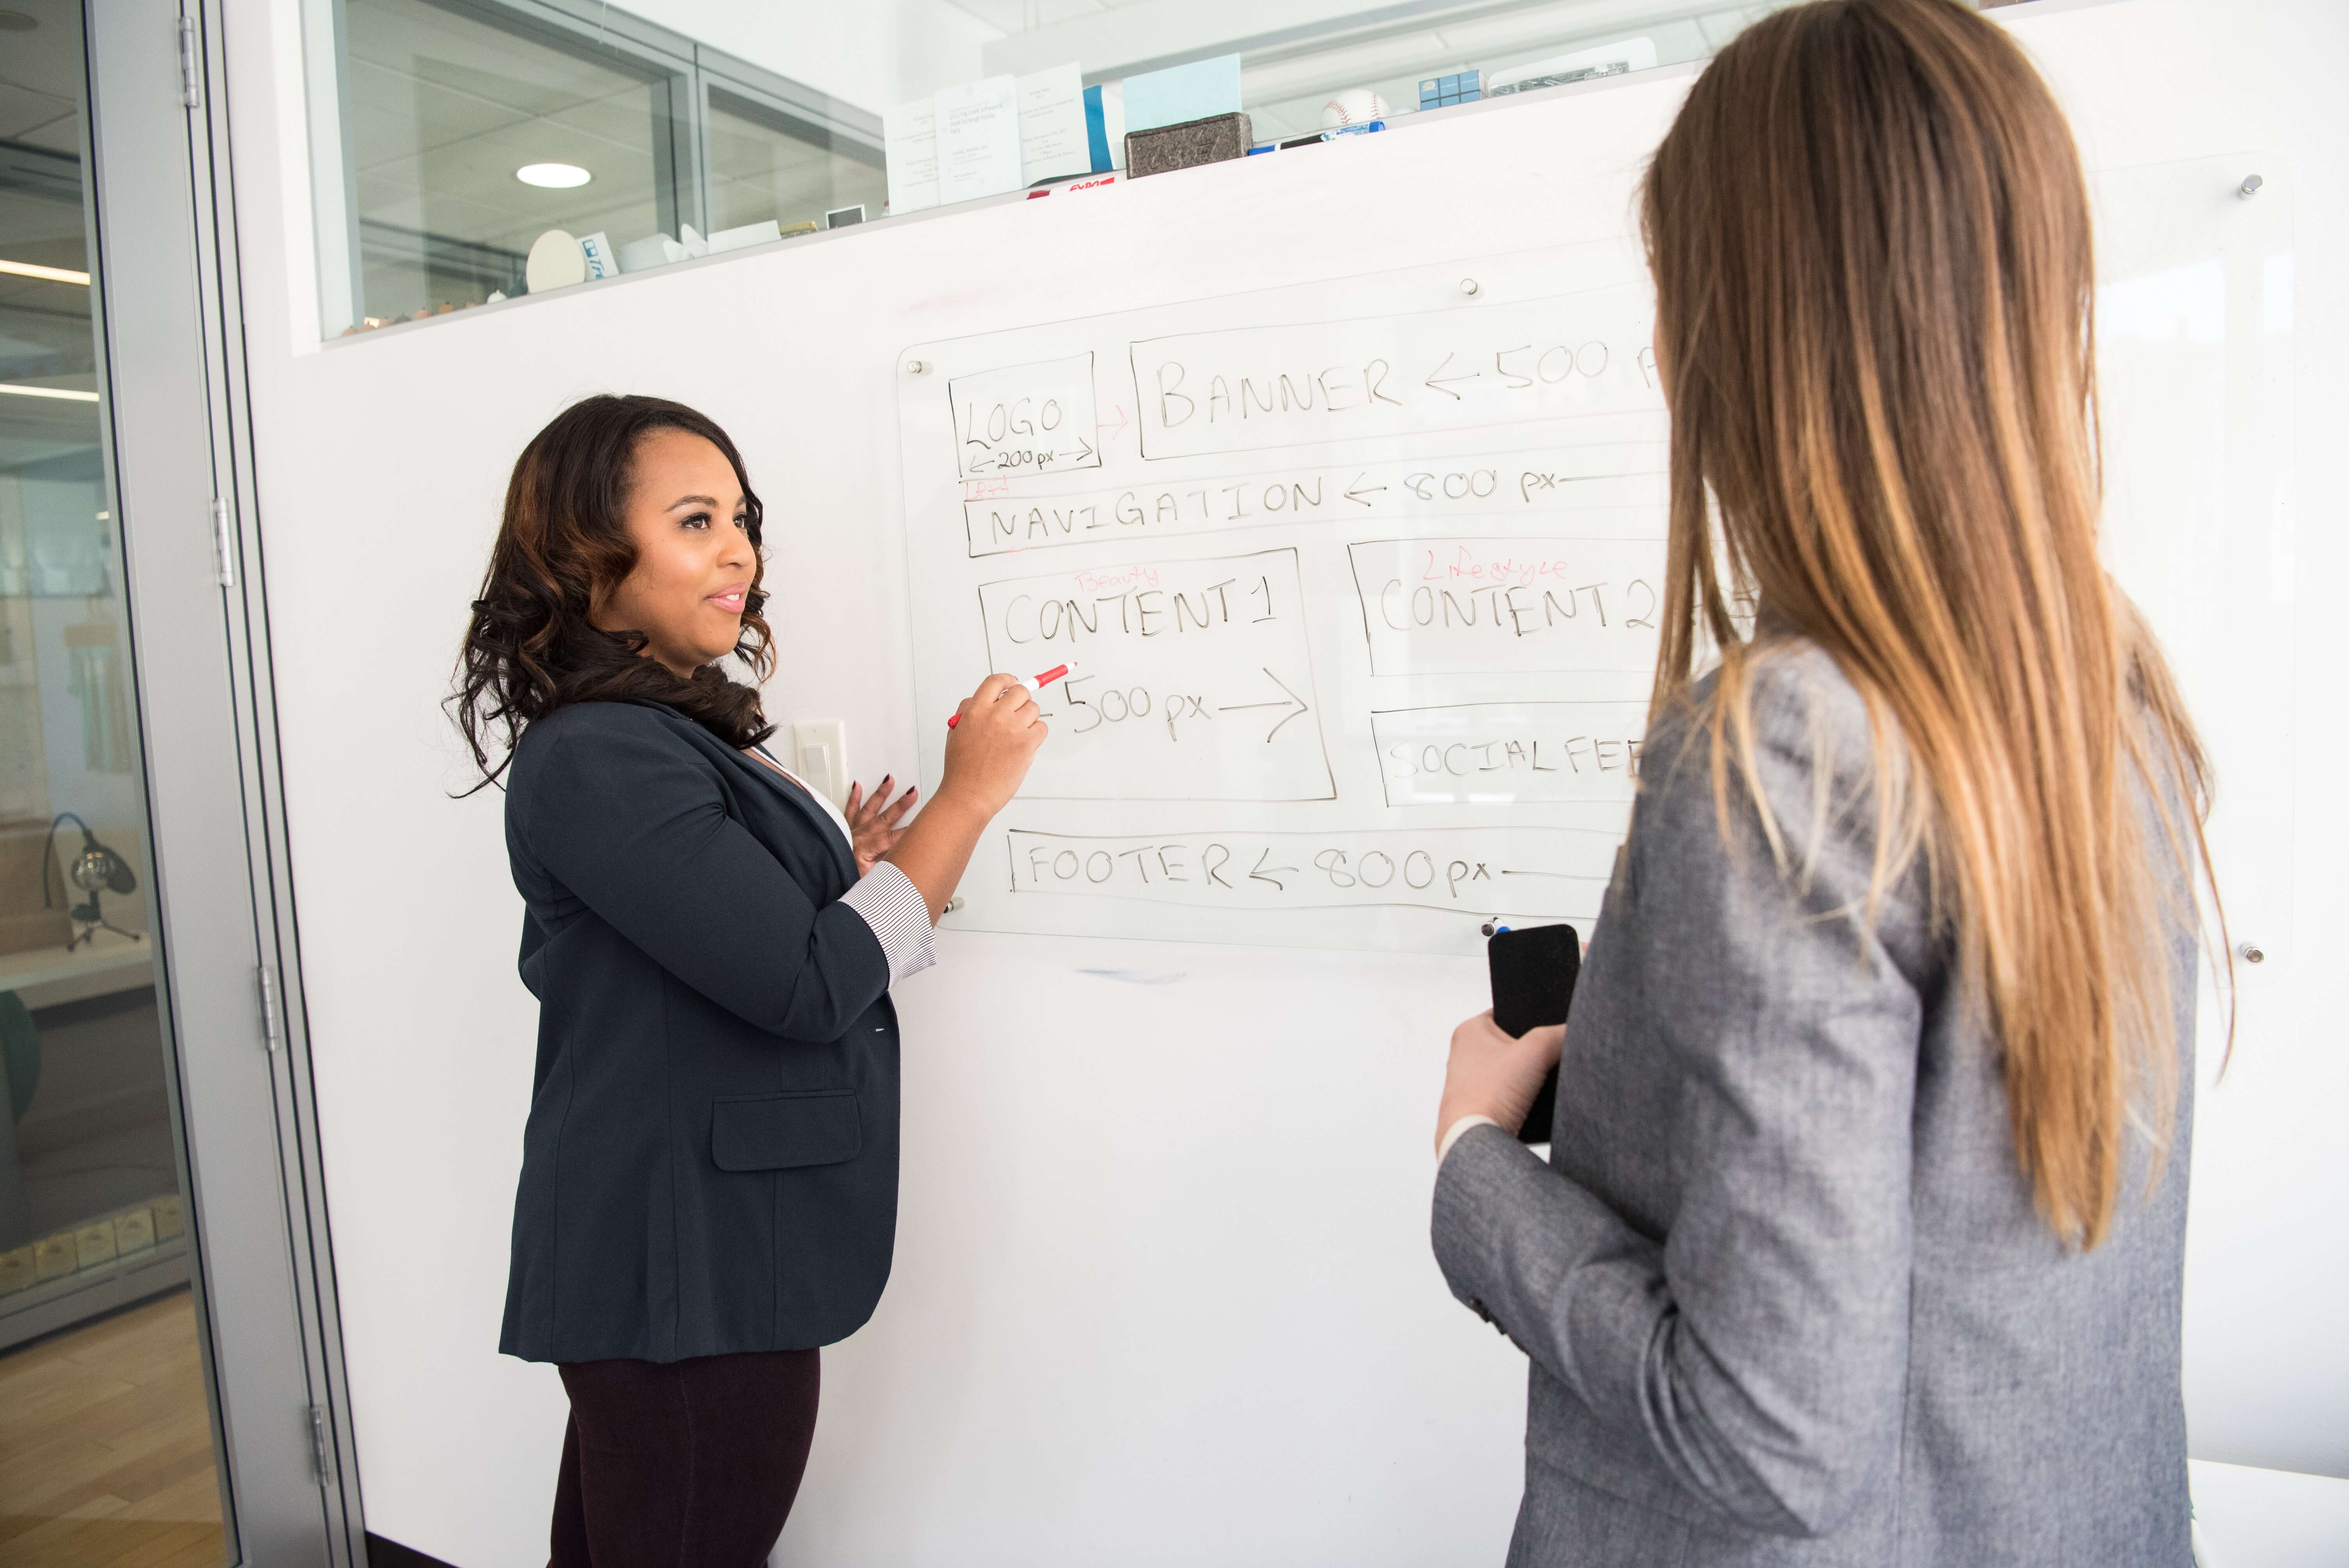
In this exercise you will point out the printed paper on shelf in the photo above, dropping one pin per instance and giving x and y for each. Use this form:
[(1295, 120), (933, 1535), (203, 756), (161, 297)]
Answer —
[(1052, 144), (910, 143), (977, 138)]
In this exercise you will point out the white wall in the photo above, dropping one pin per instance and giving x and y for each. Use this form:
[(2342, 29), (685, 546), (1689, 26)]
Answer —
[(1163, 1291)]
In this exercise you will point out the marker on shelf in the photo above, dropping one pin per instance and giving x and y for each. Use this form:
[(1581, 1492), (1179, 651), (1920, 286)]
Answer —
[(1038, 684)]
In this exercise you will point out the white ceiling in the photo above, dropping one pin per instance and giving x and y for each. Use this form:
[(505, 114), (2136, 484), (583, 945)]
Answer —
[(885, 52), (1295, 52), (1009, 17), (37, 72), (45, 327)]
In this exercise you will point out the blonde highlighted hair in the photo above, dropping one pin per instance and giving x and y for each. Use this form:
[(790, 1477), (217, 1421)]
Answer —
[(1875, 318)]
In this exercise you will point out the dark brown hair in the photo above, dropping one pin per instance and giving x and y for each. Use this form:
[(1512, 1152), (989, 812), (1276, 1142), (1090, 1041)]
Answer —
[(563, 542), (1874, 301)]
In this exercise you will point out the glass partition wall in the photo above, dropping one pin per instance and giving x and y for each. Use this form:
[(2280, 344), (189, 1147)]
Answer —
[(93, 1201), (446, 104), (170, 1385), (451, 137), (763, 163)]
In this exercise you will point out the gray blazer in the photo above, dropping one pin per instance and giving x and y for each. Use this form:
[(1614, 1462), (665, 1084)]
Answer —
[(1781, 1283)]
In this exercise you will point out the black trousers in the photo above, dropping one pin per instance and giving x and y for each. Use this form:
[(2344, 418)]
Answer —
[(690, 1464)]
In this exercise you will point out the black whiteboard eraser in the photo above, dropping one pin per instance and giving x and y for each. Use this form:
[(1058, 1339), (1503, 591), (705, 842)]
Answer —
[(1163, 149)]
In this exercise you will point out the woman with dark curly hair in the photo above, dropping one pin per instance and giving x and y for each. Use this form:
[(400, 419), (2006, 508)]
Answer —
[(710, 1167)]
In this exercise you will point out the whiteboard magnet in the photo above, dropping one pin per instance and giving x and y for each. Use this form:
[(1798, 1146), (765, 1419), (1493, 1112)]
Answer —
[(2251, 952), (918, 366), (2249, 187), (1468, 285)]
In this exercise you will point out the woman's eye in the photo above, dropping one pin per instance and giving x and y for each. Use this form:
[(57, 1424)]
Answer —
[(698, 520)]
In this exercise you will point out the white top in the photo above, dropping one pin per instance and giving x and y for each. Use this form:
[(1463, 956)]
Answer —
[(884, 898)]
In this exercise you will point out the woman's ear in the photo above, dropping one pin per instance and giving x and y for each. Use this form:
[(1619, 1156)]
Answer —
[(601, 589)]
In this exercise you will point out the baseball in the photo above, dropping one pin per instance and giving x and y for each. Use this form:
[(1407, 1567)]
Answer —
[(1355, 106)]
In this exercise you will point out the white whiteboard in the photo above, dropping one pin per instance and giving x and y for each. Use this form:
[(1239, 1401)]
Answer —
[(1360, 580), (2195, 339)]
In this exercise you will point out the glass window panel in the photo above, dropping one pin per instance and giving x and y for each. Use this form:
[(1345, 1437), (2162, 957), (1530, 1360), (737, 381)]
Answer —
[(445, 107), (766, 164), (93, 1216), (441, 100)]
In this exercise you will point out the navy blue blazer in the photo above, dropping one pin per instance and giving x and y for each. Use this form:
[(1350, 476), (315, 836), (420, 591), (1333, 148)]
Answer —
[(711, 1161)]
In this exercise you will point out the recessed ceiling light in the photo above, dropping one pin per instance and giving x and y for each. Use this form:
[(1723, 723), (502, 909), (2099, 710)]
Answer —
[(553, 176)]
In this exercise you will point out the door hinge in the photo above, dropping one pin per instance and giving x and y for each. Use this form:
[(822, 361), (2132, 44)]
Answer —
[(223, 547), (272, 1026), (318, 1448), (191, 81)]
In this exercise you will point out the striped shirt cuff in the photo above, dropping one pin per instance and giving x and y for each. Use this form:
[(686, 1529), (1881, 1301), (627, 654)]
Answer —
[(892, 905)]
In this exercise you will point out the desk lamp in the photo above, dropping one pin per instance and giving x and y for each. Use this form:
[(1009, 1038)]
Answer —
[(96, 870)]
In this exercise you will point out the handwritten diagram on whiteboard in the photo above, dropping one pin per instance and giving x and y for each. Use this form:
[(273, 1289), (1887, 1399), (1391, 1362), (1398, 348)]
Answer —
[(1360, 579)]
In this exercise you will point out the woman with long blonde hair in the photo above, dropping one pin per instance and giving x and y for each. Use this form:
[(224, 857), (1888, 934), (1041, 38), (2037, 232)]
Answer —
[(1860, 1241)]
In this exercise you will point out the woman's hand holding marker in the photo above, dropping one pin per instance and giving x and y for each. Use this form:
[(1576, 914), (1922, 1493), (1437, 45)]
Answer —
[(1036, 684), (996, 735)]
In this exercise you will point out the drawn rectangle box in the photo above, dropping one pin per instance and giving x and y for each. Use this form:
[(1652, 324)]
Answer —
[(1000, 518), (1556, 872), (1509, 753), (1034, 418), (1195, 678), (1383, 377), (1501, 605)]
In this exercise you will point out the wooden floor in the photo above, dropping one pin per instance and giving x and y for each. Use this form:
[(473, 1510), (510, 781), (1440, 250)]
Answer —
[(106, 1446)]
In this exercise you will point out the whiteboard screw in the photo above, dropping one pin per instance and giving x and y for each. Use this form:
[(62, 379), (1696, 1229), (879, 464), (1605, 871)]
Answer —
[(918, 366), (2247, 189), (1467, 285), (2251, 952)]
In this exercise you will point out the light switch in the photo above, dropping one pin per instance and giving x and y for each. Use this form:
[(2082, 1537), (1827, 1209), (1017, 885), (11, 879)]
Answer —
[(819, 757)]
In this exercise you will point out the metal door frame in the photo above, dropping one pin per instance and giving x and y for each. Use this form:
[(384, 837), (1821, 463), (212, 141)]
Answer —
[(180, 470)]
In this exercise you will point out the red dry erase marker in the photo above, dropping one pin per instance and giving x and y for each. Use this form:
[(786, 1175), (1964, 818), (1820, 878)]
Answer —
[(1039, 683)]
